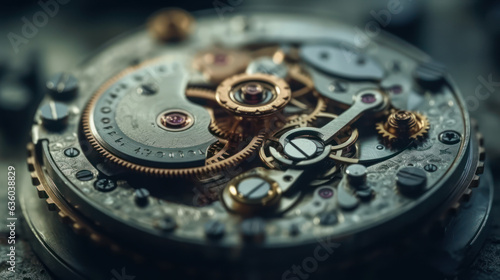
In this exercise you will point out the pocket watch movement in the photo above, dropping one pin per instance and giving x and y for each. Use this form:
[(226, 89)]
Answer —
[(281, 148)]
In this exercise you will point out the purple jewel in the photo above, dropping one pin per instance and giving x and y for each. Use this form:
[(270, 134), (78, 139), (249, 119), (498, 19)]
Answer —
[(325, 193), (396, 89), (368, 98), (175, 119)]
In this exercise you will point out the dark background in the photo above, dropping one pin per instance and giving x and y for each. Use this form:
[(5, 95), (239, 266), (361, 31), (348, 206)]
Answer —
[(464, 35)]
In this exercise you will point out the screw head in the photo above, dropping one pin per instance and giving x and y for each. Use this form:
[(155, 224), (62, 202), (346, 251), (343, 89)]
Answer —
[(253, 188), (302, 148), (430, 75), (430, 167), (328, 218), (141, 197), (54, 115), (84, 175), (167, 224), (356, 174), (214, 229), (62, 86), (365, 194), (105, 185), (294, 230), (411, 180), (253, 230), (71, 152), (449, 137)]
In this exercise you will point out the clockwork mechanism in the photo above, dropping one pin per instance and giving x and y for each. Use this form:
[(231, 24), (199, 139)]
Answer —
[(219, 150)]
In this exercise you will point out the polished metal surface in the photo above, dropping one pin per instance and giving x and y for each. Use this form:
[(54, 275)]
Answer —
[(147, 167)]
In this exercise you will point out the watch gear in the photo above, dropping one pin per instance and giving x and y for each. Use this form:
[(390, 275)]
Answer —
[(241, 146), (253, 95), (403, 126), (304, 106)]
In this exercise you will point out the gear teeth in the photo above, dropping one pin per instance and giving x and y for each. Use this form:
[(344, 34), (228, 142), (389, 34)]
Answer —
[(382, 132), (41, 192), (65, 218), (215, 166), (34, 179), (309, 118), (51, 204), (65, 213), (454, 208), (219, 131), (425, 127), (480, 139), (480, 168), (161, 172), (467, 194), (475, 182), (281, 96), (482, 154), (392, 138)]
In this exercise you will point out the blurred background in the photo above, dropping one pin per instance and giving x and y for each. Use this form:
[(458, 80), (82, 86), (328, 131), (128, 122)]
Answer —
[(464, 35)]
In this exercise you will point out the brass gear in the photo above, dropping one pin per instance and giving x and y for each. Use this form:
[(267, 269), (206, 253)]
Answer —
[(81, 227), (211, 164), (79, 224), (312, 116), (46, 190), (227, 126), (253, 95), (297, 74), (403, 126), (224, 124)]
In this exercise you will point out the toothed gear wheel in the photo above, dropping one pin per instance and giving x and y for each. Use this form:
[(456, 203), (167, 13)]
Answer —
[(163, 158), (227, 126), (320, 107), (108, 115), (253, 95), (215, 163), (403, 126)]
